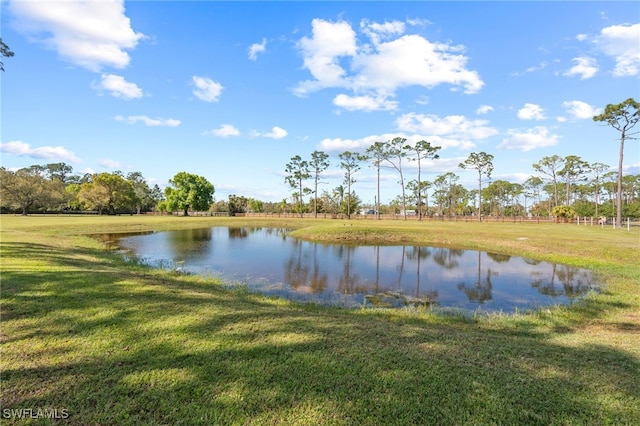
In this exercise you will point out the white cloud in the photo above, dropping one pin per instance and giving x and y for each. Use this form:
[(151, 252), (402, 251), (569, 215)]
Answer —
[(276, 133), (582, 37), (621, 43), (256, 48), (23, 149), (542, 65), (206, 89), (422, 100), (118, 87), (585, 67), (321, 54), (377, 32), (581, 110), (531, 112), (109, 164), (335, 60), (452, 126), (339, 144), (152, 122), (364, 103), (484, 109), (91, 34), (538, 137), (225, 131), (413, 60), (513, 177), (632, 169), (361, 144)]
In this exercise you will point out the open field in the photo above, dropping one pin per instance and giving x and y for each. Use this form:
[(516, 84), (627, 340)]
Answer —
[(103, 341)]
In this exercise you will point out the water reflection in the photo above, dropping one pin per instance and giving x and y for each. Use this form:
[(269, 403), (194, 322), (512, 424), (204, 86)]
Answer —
[(302, 271), (481, 290), (563, 280), (269, 261)]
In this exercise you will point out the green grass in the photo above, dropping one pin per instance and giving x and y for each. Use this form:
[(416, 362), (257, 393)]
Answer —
[(118, 343)]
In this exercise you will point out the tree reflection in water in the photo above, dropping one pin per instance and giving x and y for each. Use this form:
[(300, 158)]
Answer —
[(446, 257), (481, 291), (303, 273), (573, 281), (269, 261)]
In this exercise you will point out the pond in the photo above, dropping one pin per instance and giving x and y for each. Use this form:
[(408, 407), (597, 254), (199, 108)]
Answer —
[(269, 261)]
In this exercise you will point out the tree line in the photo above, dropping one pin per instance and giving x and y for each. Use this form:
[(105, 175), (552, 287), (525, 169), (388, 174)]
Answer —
[(583, 182), (589, 189), (564, 186), (55, 188)]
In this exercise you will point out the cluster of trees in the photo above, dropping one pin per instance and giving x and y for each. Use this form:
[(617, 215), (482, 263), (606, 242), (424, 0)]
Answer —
[(562, 181), (342, 198), (588, 188), (54, 188), (572, 186), (583, 182)]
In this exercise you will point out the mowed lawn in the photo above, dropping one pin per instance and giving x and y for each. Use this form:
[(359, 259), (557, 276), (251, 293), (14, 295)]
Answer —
[(95, 340)]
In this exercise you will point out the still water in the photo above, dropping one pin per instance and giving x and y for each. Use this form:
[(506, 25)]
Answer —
[(269, 261)]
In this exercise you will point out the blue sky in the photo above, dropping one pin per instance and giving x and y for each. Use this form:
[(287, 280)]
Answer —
[(232, 90)]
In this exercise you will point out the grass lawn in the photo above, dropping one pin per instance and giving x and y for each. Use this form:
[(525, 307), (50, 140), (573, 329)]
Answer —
[(95, 340)]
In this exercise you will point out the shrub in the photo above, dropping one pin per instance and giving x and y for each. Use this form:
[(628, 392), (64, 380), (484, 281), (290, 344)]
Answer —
[(566, 213)]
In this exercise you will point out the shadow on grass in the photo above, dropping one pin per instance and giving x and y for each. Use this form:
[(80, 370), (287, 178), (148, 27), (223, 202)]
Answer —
[(120, 344)]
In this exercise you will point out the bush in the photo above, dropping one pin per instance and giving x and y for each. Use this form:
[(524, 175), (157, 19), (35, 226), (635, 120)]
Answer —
[(566, 213)]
